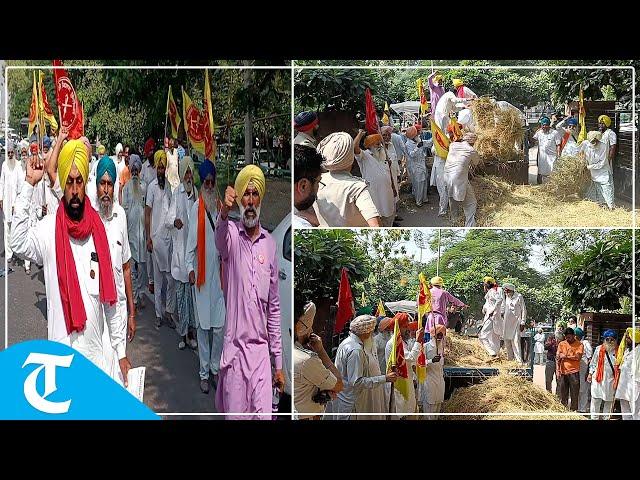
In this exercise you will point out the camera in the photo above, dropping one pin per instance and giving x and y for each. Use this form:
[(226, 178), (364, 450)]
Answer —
[(322, 397)]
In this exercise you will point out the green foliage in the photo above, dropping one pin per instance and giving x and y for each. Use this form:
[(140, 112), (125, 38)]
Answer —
[(600, 277), (319, 258)]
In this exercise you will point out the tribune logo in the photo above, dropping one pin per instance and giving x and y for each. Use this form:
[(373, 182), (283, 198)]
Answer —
[(48, 363)]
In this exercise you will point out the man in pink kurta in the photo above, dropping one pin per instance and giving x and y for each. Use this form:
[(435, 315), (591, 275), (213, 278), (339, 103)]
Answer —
[(440, 299), (435, 90), (252, 339)]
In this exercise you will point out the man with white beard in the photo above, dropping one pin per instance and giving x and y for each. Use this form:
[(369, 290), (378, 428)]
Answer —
[(179, 221), (515, 316), (203, 265), (159, 242), (416, 165), (115, 224), (492, 326), (394, 157), (133, 202), (11, 178), (601, 376), (628, 358), (376, 171)]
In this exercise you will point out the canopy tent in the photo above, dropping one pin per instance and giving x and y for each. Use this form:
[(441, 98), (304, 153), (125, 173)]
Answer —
[(406, 306), (406, 107)]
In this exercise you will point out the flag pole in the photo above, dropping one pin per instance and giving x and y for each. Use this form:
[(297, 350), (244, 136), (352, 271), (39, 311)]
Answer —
[(393, 368), (438, 262), (166, 114)]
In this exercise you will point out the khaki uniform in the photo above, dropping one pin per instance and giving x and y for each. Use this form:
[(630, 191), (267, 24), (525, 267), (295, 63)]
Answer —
[(344, 201), (310, 377)]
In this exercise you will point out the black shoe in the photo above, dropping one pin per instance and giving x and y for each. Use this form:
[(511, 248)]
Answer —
[(204, 386)]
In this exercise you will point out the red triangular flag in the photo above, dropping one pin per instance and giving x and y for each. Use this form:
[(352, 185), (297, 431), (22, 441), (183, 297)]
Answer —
[(71, 114), (371, 119), (346, 310)]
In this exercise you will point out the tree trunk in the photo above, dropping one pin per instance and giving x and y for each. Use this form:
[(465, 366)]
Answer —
[(248, 120)]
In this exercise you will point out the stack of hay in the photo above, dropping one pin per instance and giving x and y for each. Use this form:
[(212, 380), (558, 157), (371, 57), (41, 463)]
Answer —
[(570, 177), (461, 351), (498, 130), (510, 394)]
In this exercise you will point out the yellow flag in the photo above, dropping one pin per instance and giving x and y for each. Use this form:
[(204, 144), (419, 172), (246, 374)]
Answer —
[(33, 108), (385, 117), (440, 140), (193, 123), (582, 115), (209, 139), (43, 105), (396, 359), (424, 105), (380, 312), (172, 114), (363, 300)]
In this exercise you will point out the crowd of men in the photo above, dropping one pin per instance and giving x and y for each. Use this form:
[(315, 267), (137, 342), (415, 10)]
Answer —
[(106, 229), (589, 380), (360, 176)]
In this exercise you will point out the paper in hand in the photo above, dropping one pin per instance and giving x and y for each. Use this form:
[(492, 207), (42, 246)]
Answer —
[(135, 379)]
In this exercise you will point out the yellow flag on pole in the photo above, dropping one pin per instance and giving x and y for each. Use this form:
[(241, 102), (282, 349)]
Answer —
[(385, 116), (193, 123), (43, 104), (33, 108), (396, 360), (582, 116), (380, 311), (172, 113), (440, 140), (209, 139)]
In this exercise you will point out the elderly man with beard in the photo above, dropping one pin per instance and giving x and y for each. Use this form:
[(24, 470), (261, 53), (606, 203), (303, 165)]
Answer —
[(515, 317), (492, 327), (376, 171), (133, 202), (601, 376), (549, 148), (115, 224), (364, 382), (173, 167), (179, 221), (416, 165), (628, 360), (148, 174), (156, 215), (203, 264), (344, 200), (11, 178), (394, 158), (74, 249), (307, 174), (252, 334), (307, 126), (460, 192)]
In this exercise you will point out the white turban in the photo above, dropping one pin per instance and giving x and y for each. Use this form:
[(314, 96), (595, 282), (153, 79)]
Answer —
[(337, 151), (118, 149), (593, 135), (465, 117), (509, 286), (363, 324)]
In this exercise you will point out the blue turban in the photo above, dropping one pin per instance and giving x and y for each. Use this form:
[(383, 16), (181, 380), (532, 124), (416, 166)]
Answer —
[(105, 165), (609, 334), (206, 167), (544, 120), (579, 332), (135, 162), (305, 120), (572, 121), (46, 142)]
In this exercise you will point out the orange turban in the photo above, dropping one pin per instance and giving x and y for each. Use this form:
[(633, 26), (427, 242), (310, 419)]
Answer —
[(371, 140)]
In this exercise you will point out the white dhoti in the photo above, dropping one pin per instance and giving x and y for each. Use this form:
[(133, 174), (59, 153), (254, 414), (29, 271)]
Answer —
[(437, 179), (488, 337)]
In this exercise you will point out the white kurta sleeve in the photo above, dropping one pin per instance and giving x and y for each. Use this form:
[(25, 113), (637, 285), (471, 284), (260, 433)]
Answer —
[(523, 317), (594, 361), (192, 239), (588, 350), (2, 184), (117, 326), (26, 242), (412, 356), (171, 215), (355, 373)]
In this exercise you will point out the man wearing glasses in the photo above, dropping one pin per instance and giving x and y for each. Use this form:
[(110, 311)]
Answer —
[(307, 174)]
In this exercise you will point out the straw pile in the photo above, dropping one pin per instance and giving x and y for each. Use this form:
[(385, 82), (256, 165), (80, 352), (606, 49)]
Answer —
[(506, 393), (570, 177), (499, 131), (461, 351), (501, 204)]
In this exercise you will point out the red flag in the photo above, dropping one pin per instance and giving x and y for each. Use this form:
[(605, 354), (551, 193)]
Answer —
[(346, 309), (371, 118), (71, 114)]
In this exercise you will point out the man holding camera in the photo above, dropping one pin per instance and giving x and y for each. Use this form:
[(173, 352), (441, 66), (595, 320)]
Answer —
[(316, 378)]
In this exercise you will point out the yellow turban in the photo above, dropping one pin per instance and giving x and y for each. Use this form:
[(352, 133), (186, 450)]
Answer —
[(439, 281), (160, 158), (438, 78), (73, 152), (457, 82), (634, 334), (101, 150), (249, 174), (604, 119), (488, 280)]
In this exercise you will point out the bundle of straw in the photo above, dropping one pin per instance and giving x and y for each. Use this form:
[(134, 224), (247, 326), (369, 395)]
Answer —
[(500, 132), (505, 393), (570, 176), (461, 351)]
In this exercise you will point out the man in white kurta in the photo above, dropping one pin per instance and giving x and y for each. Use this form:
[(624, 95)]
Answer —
[(493, 326), (133, 202), (456, 178), (115, 224), (515, 317), (11, 178), (584, 395), (38, 244), (394, 157), (148, 174), (401, 404), (602, 389), (357, 362), (376, 171), (549, 142), (417, 166), (179, 222), (628, 391), (608, 137), (173, 174), (431, 392), (159, 242), (209, 303), (595, 153)]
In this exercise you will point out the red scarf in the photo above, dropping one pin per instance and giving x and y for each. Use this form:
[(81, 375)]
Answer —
[(75, 316)]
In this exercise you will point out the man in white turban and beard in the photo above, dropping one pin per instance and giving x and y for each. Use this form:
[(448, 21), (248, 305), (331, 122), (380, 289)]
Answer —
[(343, 200), (133, 202), (515, 317), (394, 157), (178, 222), (377, 172), (460, 158), (417, 166), (357, 362), (10, 180)]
